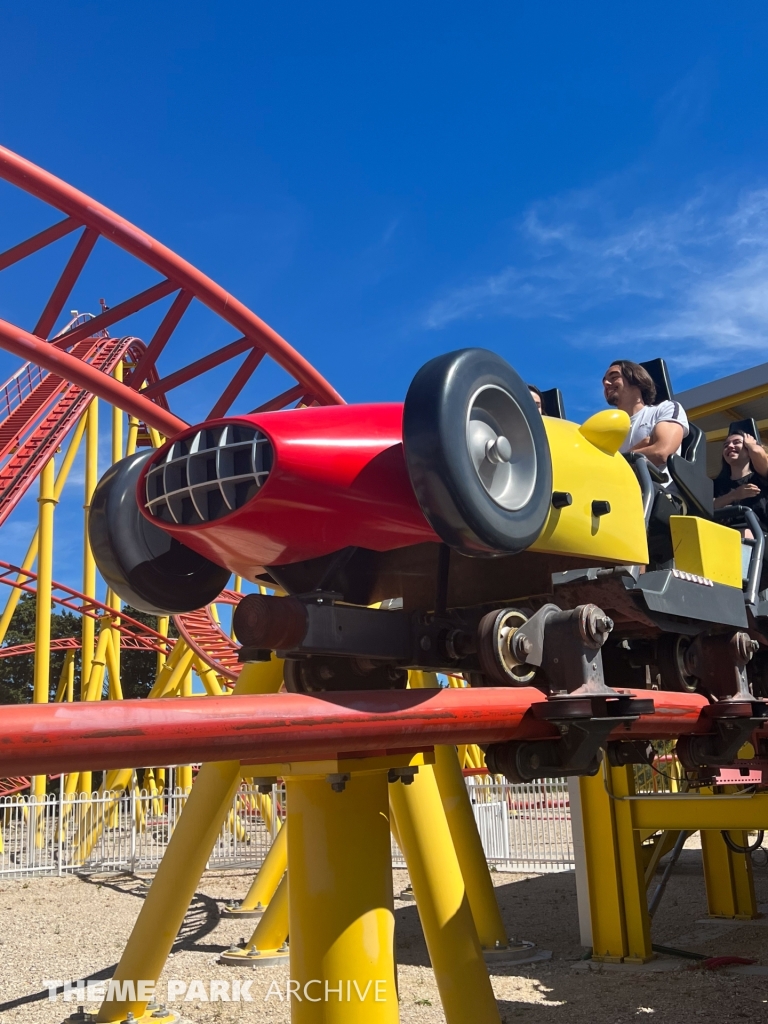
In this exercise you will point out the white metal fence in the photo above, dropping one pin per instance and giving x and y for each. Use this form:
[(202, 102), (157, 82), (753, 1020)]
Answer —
[(59, 834), (523, 828)]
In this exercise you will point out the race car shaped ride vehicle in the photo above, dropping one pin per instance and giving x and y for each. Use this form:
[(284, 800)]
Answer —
[(468, 517)]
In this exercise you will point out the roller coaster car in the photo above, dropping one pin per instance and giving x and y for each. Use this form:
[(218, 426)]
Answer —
[(489, 537)]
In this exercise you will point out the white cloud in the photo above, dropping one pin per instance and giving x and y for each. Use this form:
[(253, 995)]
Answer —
[(694, 277)]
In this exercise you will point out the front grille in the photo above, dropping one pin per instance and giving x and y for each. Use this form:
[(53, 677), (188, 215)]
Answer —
[(208, 475)]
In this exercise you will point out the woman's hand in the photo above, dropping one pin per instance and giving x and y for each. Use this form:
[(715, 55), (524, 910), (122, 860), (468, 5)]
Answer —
[(750, 443), (757, 457), (744, 491)]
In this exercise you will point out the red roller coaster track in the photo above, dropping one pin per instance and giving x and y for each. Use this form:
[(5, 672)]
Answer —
[(42, 401), (95, 221)]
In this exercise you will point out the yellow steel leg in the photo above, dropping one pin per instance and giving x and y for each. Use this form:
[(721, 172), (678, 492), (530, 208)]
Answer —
[(446, 918), (340, 902), (269, 943), (42, 663), (728, 876), (184, 861), (636, 917), (266, 881), (469, 849), (606, 902), (466, 838), (89, 564)]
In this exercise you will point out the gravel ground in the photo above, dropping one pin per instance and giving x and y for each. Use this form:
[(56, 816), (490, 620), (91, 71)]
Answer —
[(68, 927)]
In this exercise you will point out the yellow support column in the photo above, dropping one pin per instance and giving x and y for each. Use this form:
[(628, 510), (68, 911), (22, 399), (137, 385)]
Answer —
[(466, 838), (341, 915), (469, 849), (728, 877), (42, 662), (182, 866), (269, 943), (85, 782), (266, 881), (438, 886), (606, 901), (636, 918), (184, 771)]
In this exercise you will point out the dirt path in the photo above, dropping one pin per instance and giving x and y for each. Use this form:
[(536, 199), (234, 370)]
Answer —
[(68, 928)]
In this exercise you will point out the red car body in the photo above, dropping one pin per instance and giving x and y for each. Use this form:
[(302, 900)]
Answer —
[(338, 479)]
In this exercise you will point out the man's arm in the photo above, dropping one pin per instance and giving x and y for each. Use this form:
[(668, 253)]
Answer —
[(665, 439)]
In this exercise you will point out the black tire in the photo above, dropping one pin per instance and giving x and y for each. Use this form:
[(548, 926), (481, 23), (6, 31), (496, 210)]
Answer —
[(143, 564), (453, 402), (670, 656)]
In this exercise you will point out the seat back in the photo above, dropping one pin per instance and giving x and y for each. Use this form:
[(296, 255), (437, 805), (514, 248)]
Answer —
[(552, 403), (689, 472), (749, 426), (657, 371)]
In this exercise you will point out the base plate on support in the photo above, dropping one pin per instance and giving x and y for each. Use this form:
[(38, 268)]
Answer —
[(234, 910), (240, 955), (519, 951), (154, 1014)]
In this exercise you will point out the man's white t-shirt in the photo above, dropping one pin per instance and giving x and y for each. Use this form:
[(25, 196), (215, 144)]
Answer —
[(643, 422)]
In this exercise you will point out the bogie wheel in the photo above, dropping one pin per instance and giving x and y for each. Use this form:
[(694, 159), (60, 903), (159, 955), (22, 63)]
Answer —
[(494, 636), (319, 674), (477, 453), (670, 656)]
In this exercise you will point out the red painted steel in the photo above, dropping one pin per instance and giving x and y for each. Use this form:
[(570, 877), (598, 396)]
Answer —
[(27, 347), (339, 478), (41, 420), (97, 218), (206, 637), (38, 242), (65, 597), (66, 283), (38, 739)]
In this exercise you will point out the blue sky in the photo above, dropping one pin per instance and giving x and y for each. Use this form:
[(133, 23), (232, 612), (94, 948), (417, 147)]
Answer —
[(562, 183)]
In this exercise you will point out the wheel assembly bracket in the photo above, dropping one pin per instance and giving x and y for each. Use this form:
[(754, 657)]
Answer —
[(584, 723)]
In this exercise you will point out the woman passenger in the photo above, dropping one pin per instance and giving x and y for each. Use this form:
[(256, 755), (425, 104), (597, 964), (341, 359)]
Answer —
[(743, 480)]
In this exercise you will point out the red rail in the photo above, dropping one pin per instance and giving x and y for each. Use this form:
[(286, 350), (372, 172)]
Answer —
[(38, 739), (94, 221), (206, 637)]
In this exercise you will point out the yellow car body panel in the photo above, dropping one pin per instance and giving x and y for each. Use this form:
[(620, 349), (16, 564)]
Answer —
[(587, 465), (707, 549)]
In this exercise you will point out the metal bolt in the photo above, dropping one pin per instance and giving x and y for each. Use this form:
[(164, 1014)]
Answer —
[(283, 948), (499, 450)]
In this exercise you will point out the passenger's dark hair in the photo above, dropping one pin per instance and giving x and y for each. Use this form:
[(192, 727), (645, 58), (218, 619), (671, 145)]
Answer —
[(638, 376), (532, 387)]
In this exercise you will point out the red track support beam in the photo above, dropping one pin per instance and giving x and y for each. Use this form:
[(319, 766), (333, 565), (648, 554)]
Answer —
[(70, 200), (66, 282), (38, 241), (33, 350), (236, 385), (116, 313), (160, 339), (187, 373), (45, 738), (280, 401)]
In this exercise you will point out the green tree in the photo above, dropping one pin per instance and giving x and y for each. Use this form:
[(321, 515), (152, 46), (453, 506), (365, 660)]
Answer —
[(17, 672), (137, 668)]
